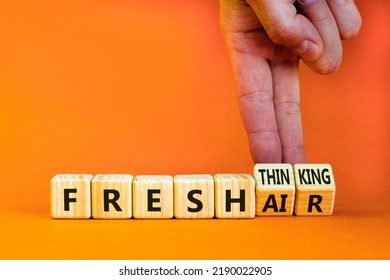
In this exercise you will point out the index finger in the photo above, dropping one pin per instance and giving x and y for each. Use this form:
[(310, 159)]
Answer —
[(254, 82), (285, 77)]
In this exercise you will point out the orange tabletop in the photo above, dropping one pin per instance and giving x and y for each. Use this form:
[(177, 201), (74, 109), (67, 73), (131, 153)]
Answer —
[(146, 87)]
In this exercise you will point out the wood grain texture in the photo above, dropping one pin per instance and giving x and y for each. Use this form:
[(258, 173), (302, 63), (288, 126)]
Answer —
[(194, 196), (315, 189), (112, 196), (70, 196), (234, 196), (153, 197), (275, 189)]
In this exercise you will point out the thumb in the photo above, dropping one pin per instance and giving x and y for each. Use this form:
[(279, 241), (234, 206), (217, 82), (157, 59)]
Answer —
[(288, 28)]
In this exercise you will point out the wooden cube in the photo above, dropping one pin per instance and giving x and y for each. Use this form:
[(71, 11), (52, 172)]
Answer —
[(70, 196), (111, 196), (234, 196), (275, 189), (315, 189), (153, 197), (194, 196)]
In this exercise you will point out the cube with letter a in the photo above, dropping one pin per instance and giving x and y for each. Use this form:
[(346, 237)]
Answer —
[(71, 196), (275, 189), (315, 189)]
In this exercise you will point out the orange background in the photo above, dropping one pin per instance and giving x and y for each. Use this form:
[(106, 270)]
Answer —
[(145, 87)]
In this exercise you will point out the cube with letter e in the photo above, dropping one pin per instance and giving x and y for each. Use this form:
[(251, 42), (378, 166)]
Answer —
[(153, 197)]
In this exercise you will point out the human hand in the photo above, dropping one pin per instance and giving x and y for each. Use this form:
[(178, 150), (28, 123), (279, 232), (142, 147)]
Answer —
[(265, 40)]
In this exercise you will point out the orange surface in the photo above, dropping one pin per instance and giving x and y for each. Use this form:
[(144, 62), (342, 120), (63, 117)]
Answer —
[(145, 87)]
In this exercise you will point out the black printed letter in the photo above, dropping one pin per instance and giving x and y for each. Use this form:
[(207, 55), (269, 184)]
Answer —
[(113, 200), (67, 199), (199, 204), (151, 199), (316, 204)]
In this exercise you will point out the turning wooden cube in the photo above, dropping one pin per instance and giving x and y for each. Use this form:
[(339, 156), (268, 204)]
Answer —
[(153, 197), (194, 196), (234, 196), (275, 189), (111, 196), (71, 196), (315, 189)]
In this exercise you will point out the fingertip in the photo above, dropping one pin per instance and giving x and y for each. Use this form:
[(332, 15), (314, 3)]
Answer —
[(294, 156), (347, 16), (325, 65), (352, 29), (265, 148)]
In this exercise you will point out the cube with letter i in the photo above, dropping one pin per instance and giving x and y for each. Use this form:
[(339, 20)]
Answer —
[(153, 197), (315, 189), (275, 189), (71, 196)]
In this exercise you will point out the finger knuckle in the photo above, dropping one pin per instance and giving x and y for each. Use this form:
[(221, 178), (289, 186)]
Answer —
[(324, 17), (279, 32), (288, 108), (258, 96)]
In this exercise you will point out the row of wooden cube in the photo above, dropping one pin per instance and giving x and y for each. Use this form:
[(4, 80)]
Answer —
[(274, 189)]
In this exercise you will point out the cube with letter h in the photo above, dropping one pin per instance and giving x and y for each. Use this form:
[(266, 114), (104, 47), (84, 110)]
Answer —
[(315, 189), (234, 196), (71, 196), (275, 189)]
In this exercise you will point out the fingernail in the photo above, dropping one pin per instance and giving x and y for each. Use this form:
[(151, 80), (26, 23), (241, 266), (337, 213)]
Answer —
[(307, 50)]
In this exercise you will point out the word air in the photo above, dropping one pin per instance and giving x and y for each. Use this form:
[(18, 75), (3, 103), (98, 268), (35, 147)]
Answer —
[(273, 190)]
